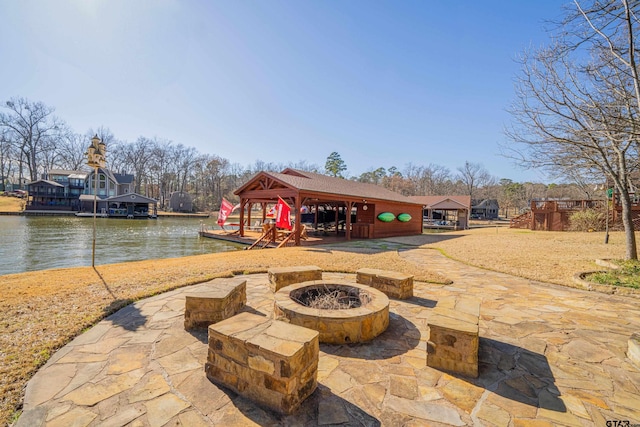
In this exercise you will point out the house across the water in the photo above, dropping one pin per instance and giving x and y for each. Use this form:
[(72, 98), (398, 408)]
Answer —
[(60, 191), (65, 190)]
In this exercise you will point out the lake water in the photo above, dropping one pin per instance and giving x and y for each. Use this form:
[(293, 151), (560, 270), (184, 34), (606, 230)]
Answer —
[(29, 243)]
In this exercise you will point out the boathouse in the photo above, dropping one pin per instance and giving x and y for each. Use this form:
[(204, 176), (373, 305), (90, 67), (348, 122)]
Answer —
[(346, 208), (445, 211)]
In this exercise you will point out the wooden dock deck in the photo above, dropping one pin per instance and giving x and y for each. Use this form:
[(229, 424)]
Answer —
[(313, 237)]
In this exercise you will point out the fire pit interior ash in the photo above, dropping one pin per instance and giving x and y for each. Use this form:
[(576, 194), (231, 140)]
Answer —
[(341, 311), (331, 297)]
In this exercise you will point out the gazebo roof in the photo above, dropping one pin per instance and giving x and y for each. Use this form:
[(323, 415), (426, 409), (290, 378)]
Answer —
[(444, 202), (322, 185)]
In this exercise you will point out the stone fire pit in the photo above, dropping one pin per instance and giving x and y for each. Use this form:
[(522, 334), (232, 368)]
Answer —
[(342, 312)]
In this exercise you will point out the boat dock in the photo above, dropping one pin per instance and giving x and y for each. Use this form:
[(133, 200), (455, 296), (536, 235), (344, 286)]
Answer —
[(251, 237)]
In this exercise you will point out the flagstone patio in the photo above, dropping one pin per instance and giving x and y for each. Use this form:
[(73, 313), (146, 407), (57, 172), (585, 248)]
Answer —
[(549, 355)]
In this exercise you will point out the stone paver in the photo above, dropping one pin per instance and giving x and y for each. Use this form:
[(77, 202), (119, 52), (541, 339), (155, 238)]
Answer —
[(548, 356)]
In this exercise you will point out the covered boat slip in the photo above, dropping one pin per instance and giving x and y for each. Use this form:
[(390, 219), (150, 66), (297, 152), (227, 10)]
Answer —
[(129, 205), (445, 212), (328, 206)]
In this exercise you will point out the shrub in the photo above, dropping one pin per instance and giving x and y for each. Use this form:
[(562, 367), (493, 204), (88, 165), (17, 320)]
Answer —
[(587, 220)]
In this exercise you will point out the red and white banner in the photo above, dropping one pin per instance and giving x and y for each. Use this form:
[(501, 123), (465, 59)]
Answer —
[(225, 210), (283, 214)]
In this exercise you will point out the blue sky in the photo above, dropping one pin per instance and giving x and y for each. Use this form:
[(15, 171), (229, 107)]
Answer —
[(383, 83)]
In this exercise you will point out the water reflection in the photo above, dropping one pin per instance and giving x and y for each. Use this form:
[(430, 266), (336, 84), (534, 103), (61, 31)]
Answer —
[(40, 243)]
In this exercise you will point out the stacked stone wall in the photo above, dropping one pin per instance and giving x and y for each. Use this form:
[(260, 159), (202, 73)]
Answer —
[(453, 336), (273, 363), (391, 283), (213, 302), (285, 276)]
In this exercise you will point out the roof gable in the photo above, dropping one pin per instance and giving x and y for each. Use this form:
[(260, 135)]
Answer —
[(448, 204), (262, 181), (115, 177), (486, 203), (46, 181), (444, 202)]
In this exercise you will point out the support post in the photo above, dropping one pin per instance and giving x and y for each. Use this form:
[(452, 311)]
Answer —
[(297, 202), (348, 220), (95, 207), (241, 225)]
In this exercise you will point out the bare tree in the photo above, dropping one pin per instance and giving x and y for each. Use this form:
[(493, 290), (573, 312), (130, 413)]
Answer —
[(238, 175), (138, 156), (6, 158), (303, 165), (71, 149), (430, 180), (32, 128), (216, 170), (472, 176), (184, 160), (578, 101), (117, 157), (395, 181)]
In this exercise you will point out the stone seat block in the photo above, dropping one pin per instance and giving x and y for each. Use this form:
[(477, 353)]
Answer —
[(280, 277), (453, 336), (213, 302), (391, 283), (270, 362)]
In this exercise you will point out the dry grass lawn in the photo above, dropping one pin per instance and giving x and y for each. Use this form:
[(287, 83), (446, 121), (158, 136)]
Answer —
[(42, 311), (11, 204), (552, 257)]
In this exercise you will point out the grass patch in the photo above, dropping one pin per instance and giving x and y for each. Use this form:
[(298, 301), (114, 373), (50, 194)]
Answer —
[(11, 204), (628, 275)]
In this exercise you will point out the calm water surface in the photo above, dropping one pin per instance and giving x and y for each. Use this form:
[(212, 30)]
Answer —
[(40, 243)]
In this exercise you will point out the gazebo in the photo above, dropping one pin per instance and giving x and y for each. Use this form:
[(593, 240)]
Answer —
[(362, 210), (445, 207)]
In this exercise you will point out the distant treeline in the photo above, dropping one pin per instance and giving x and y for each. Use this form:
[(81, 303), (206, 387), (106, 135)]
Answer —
[(34, 141)]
